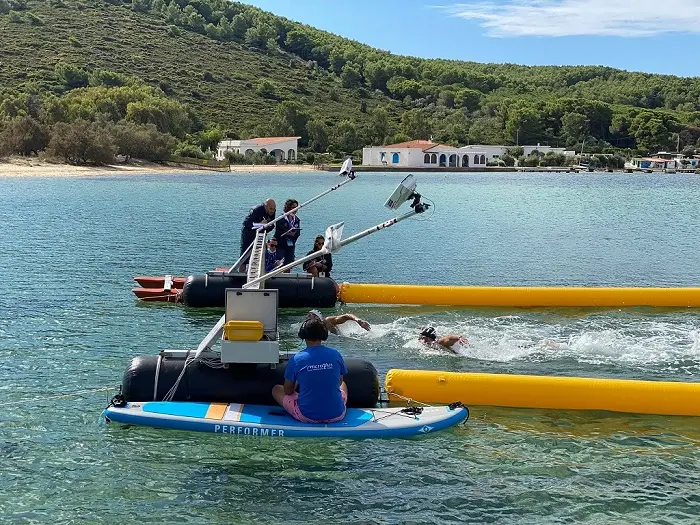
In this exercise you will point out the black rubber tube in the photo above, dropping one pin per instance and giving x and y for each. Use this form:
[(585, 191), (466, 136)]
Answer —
[(295, 291), (239, 383)]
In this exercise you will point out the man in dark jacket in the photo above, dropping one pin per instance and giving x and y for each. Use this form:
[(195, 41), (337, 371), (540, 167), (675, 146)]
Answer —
[(259, 215), (287, 232)]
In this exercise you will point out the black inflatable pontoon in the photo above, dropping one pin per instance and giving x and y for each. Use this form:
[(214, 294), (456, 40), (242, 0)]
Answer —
[(295, 291), (147, 379)]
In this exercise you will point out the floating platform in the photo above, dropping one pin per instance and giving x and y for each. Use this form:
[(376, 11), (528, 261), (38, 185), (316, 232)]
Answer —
[(547, 392), (209, 290), (150, 377), (236, 419), (518, 296)]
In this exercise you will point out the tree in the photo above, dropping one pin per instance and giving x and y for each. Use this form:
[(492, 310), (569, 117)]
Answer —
[(141, 6), (292, 114), (4, 7), (167, 115), (239, 26), (24, 136), (224, 28), (378, 126), (525, 125), (337, 60), (299, 43), (415, 124), (486, 131), (350, 77), (376, 75), (318, 136), (649, 132), (82, 142), (142, 142), (400, 87), (575, 126), (279, 127), (259, 35), (345, 137)]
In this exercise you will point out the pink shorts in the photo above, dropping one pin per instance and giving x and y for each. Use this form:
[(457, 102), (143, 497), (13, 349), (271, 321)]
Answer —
[(291, 405)]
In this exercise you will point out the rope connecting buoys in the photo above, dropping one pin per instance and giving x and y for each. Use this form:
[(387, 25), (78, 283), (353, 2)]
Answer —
[(548, 392), (521, 296)]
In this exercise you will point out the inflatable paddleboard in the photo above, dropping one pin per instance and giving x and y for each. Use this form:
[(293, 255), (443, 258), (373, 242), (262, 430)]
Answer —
[(270, 421)]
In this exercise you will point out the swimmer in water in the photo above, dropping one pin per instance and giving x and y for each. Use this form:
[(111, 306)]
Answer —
[(332, 321), (451, 342)]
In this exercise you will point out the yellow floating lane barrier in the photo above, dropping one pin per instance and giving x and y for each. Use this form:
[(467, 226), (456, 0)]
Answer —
[(564, 393), (523, 296)]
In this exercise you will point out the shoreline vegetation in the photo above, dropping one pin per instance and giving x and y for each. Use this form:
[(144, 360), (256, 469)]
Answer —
[(94, 92), (33, 167), (36, 167)]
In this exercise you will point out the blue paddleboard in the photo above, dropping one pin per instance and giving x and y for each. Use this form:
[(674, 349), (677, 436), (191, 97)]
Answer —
[(236, 419)]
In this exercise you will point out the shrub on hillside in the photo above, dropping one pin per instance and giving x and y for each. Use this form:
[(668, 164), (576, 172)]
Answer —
[(71, 76), (4, 7), (266, 88), (102, 77), (34, 20), (24, 136), (82, 142)]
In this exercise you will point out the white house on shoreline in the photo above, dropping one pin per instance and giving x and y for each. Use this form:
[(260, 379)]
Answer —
[(422, 154), (282, 148), (427, 154)]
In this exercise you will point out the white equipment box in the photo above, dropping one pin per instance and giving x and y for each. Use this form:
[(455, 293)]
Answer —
[(252, 305)]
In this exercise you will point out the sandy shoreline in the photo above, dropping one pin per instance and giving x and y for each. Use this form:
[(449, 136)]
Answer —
[(22, 167)]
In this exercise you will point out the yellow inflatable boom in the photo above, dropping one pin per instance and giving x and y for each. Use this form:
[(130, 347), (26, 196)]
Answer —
[(523, 296), (565, 393)]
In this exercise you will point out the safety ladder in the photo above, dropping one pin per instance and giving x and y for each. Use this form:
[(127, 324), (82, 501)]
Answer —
[(256, 263)]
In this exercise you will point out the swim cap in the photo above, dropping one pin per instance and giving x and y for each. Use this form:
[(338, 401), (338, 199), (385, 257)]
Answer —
[(317, 314), (429, 333)]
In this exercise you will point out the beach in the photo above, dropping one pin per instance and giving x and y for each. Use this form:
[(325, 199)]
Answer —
[(33, 167)]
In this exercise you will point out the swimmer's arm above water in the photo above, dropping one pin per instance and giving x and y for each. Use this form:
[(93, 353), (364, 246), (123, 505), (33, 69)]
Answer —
[(335, 320), (449, 340)]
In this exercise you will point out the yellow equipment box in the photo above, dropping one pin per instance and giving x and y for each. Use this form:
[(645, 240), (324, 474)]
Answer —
[(243, 331)]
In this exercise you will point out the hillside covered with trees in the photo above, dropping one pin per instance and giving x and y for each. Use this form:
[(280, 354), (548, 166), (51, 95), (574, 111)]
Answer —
[(146, 78)]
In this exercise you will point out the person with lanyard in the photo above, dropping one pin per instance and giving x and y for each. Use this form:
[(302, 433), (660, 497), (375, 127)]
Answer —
[(317, 371), (322, 265), (332, 322), (287, 232), (261, 214)]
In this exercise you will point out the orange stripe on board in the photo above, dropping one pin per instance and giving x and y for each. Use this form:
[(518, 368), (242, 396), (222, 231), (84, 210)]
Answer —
[(216, 410)]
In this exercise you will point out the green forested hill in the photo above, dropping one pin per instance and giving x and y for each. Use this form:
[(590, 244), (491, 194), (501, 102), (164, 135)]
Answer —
[(201, 69)]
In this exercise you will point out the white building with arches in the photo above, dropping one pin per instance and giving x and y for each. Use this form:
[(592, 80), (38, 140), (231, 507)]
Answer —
[(282, 148), (428, 154), (423, 154)]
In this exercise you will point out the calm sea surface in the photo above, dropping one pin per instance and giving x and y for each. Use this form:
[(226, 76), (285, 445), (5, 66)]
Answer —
[(69, 248)]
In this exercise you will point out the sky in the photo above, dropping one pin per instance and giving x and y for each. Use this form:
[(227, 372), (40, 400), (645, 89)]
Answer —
[(654, 36)]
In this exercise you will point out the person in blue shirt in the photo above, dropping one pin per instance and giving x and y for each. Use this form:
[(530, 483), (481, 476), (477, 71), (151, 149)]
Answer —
[(318, 372)]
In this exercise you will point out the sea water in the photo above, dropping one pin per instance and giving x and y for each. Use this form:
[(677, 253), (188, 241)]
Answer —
[(69, 325)]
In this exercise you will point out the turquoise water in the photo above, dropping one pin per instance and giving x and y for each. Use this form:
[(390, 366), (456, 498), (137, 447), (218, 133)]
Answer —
[(69, 248)]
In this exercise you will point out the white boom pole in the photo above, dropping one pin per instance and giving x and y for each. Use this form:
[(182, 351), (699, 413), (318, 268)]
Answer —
[(215, 332), (243, 257)]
